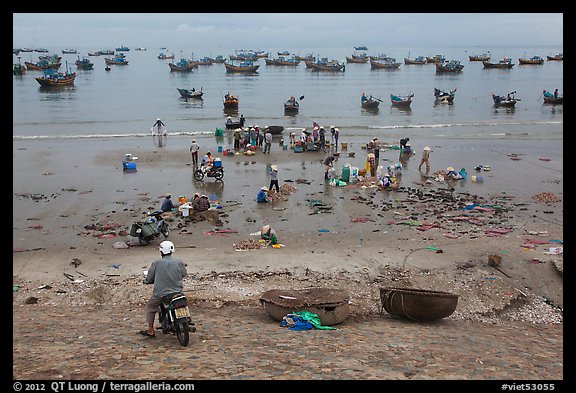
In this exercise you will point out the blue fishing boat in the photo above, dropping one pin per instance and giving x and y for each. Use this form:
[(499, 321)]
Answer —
[(122, 49)]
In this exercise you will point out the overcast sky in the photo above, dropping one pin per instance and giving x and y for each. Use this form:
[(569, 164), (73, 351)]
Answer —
[(289, 30)]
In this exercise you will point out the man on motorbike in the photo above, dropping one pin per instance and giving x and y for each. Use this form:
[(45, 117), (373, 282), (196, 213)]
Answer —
[(166, 273), (207, 162)]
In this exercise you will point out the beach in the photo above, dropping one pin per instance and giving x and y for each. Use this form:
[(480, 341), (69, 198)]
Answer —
[(73, 205)]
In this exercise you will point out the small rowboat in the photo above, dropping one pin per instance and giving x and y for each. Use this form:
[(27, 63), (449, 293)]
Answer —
[(369, 102), (186, 93), (401, 100), (558, 57), (444, 97), (508, 101), (531, 60), (246, 66)]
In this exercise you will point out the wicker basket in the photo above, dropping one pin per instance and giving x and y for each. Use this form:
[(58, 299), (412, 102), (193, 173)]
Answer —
[(417, 304), (331, 305)]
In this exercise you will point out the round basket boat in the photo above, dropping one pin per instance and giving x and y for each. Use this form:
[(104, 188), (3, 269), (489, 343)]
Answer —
[(417, 304), (331, 305)]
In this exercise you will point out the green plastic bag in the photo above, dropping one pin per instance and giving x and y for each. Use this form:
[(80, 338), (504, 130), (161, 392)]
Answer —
[(314, 320)]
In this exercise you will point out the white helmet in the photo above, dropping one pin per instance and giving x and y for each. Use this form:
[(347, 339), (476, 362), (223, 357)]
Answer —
[(166, 247)]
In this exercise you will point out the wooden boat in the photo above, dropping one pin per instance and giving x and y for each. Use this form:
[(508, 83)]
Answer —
[(52, 78), (508, 101), (19, 69), (69, 51), (42, 65), (417, 60), (558, 57), (435, 59), (190, 93), (119, 59), (246, 66), (122, 49), (106, 52), (219, 59), (202, 61), (357, 59), (230, 102), (417, 304), (449, 66), (389, 63), (444, 97), (482, 57), (141, 48), (401, 100), (333, 67), (233, 124), (84, 64), (550, 99), (283, 61), (97, 53), (505, 63), (164, 56), (269, 61), (41, 50), (183, 65), (332, 306), (309, 56), (274, 130), (361, 47), (369, 102), (291, 105), (284, 53), (531, 60)]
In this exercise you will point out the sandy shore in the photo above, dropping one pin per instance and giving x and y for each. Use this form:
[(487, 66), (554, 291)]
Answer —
[(73, 205)]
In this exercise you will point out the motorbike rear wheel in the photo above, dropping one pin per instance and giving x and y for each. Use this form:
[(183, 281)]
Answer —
[(182, 332), (218, 175), (198, 175)]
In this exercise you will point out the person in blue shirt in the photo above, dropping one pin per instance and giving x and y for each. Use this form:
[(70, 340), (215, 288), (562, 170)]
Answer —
[(167, 204), (263, 195)]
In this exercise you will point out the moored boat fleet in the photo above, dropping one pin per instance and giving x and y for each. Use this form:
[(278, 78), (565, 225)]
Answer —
[(246, 61)]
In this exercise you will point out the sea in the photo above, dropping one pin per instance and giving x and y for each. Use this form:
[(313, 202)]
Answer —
[(126, 101)]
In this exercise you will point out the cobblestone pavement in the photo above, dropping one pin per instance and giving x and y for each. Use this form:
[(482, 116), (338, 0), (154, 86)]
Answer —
[(97, 342)]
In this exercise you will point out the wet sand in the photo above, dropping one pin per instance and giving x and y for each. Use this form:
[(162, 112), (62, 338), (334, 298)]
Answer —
[(61, 187)]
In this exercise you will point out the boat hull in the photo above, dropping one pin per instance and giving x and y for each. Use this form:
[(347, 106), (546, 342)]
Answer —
[(233, 68)]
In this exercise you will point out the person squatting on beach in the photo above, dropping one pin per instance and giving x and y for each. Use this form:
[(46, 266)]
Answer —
[(269, 235), (194, 147), (166, 273), (274, 178), (328, 164), (262, 196), (425, 159), (201, 204), (167, 204)]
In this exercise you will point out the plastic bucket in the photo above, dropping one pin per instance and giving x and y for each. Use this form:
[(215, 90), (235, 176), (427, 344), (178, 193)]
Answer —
[(344, 145), (220, 149), (345, 173)]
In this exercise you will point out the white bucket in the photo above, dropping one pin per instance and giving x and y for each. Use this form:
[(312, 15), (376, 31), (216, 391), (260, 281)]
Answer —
[(185, 212)]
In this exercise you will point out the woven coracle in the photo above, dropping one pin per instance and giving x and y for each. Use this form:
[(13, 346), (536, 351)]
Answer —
[(417, 304), (331, 305)]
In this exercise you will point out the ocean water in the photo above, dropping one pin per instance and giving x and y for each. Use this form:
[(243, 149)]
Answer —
[(126, 101)]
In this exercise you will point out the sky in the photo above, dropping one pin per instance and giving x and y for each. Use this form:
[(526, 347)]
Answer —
[(291, 30)]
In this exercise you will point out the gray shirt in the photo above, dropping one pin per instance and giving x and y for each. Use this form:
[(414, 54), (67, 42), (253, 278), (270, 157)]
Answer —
[(166, 274)]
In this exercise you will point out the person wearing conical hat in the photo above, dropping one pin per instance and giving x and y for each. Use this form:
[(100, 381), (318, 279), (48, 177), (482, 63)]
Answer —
[(268, 234)]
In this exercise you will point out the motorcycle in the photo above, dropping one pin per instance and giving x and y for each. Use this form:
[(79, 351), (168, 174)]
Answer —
[(174, 317), (151, 228), (215, 172)]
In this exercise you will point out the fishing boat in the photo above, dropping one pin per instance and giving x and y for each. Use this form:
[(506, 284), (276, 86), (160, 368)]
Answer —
[(53, 78), (443, 96), (401, 100), (183, 65), (481, 57), (531, 60), (309, 56), (389, 63), (26, 50), (118, 59), (291, 105), (122, 49), (417, 60), (69, 51), (284, 53), (246, 66), (202, 61), (41, 50), (435, 59), (244, 55), (106, 52), (369, 102), (361, 58), (19, 69), (551, 98), (505, 63), (141, 48), (230, 101), (97, 53), (84, 64), (558, 57), (286, 61), (508, 101), (42, 65), (190, 93), (219, 59), (325, 65), (361, 47), (232, 124), (449, 66), (164, 56)]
